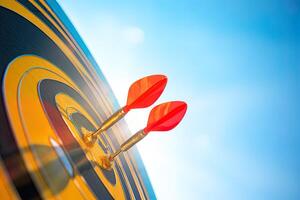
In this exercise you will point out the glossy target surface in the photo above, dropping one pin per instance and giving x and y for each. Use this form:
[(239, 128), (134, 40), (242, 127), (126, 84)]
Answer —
[(52, 93)]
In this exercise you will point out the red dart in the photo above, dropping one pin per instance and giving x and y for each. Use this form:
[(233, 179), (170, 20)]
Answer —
[(142, 93), (163, 117)]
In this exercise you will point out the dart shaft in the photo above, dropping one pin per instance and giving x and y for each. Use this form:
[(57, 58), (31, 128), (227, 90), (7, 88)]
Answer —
[(110, 121), (129, 143), (133, 140), (90, 138)]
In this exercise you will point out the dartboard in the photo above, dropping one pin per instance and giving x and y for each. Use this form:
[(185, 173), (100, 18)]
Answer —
[(52, 93)]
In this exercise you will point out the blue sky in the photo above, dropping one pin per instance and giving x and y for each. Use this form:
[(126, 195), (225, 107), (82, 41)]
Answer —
[(236, 64)]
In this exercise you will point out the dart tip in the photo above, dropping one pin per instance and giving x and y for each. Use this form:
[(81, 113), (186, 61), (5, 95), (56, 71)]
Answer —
[(89, 139), (110, 158), (106, 162)]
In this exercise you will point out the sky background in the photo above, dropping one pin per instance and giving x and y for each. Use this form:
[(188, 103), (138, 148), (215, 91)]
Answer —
[(236, 64)]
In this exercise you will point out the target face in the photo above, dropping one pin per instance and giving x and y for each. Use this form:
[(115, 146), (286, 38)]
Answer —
[(52, 94)]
